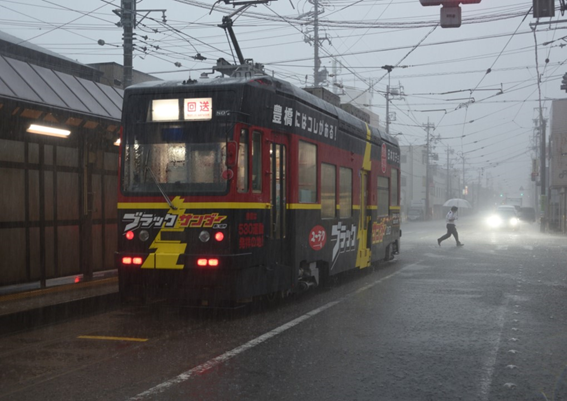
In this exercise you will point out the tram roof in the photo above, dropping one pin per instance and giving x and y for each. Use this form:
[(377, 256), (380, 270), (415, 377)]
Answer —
[(282, 86)]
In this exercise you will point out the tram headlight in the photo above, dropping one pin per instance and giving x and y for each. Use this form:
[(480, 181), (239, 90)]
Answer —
[(144, 235), (204, 236)]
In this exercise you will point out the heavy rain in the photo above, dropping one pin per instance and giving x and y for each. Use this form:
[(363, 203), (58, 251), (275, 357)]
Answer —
[(284, 200)]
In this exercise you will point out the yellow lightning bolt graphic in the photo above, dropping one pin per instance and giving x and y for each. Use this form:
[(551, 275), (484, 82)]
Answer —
[(167, 253), (364, 252)]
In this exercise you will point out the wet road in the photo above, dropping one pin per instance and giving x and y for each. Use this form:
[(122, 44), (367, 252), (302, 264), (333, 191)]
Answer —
[(484, 322)]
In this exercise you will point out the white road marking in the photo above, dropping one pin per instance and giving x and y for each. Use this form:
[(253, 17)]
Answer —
[(489, 362), (160, 388)]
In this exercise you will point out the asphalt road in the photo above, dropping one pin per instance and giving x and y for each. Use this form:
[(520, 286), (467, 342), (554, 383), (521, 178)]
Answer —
[(483, 322)]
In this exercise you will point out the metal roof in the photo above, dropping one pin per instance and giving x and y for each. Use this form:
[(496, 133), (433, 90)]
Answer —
[(42, 86)]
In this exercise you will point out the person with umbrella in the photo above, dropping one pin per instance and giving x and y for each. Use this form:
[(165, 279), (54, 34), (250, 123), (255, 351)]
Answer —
[(451, 227)]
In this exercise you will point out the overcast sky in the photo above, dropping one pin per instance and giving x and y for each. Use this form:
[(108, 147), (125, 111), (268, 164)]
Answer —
[(486, 117)]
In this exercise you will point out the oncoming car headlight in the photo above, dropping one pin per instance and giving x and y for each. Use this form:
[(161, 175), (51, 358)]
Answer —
[(494, 221), (514, 221)]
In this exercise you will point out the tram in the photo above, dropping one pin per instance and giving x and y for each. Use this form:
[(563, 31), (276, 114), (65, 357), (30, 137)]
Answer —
[(246, 186)]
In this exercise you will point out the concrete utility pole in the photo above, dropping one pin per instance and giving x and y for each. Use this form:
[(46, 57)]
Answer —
[(316, 60), (127, 14), (448, 190), (542, 174), (128, 20), (427, 127), (388, 68)]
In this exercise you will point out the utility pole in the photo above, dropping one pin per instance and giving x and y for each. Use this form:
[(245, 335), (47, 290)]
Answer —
[(128, 20), (127, 14), (316, 61), (388, 105), (448, 191), (543, 189), (388, 68), (427, 127), (464, 184), (319, 77), (478, 189)]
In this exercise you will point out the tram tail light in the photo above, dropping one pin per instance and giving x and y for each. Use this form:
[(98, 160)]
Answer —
[(204, 262), (129, 260), (219, 236)]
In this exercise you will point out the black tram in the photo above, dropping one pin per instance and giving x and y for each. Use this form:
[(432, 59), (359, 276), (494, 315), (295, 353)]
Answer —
[(241, 187)]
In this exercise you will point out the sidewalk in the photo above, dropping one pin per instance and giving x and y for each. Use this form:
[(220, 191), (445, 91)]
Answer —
[(36, 307)]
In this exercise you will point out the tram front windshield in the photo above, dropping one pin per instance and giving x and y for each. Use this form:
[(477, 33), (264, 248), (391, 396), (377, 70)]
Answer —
[(179, 158)]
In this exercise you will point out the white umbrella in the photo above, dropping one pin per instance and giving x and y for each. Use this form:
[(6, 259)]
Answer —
[(460, 203)]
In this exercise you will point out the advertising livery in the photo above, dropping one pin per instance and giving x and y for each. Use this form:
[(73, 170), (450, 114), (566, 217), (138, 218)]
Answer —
[(238, 188)]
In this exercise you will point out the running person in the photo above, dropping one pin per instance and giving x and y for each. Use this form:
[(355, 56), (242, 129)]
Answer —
[(451, 227)]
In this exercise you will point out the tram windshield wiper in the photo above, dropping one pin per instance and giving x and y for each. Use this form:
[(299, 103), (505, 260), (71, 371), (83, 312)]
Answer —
[(160, 188)]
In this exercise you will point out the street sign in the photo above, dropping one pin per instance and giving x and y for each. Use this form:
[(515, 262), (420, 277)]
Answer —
[(448, 3), (450, 17)]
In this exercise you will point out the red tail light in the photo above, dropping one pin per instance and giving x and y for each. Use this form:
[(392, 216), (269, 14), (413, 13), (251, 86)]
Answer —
[(130, 235), (202, 262), (219, 236), (132, 260)]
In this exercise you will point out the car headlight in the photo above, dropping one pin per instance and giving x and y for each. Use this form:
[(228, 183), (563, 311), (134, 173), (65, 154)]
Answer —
[(494, 221), (514, 221)]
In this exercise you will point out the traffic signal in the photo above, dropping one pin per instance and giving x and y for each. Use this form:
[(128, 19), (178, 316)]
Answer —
[(447, 3), (450, 12), (564, 82), (544, 8)]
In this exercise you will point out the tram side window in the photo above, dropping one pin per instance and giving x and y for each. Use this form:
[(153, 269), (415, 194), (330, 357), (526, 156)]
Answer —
[(383, 196), (394, 188), (328, 191), (256, 161), (242, 176), (307, 172), (345, 187)]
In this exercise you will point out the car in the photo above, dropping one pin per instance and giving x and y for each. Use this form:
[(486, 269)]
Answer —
[(504, 217)]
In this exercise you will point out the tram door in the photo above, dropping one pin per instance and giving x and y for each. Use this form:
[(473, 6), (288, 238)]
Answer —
[(278, 231), (363, 257)]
